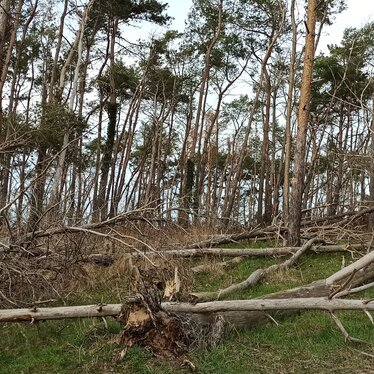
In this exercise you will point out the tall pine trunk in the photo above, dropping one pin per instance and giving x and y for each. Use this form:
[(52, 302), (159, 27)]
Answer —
[(302, 126)]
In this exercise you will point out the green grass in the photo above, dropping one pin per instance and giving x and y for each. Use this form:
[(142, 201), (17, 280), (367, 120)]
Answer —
[(305, 343)]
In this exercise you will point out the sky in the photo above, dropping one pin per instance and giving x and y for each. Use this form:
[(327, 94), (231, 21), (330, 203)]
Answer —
[(357, 14)]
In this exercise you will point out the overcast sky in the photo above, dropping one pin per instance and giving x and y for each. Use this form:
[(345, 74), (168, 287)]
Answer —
[(357, 14)]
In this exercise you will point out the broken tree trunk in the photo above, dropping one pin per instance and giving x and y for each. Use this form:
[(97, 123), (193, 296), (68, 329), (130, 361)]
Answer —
[(357, 274)]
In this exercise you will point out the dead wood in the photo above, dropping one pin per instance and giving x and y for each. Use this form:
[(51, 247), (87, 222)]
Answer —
[(360, 264), (35, 314), (257, 252), (310, 303), (139, 314), (257, 276), (352, 291), (243, 316), (165, 334), (147, 324), (169, 329), (342, 218), (318, 288), (342, 329), (25, 239), (104, 259), (234, 238)]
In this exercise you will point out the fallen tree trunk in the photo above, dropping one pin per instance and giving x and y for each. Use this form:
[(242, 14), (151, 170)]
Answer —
[(256, 276), (260, 252), (312, 303), (244, 318), (107, 260), (234, 238), (113, 310), (362, 263)]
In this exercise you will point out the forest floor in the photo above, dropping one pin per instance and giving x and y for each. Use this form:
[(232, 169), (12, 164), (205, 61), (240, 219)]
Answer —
[(308, 342)]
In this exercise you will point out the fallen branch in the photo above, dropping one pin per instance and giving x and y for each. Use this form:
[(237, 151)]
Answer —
[(354, 290), (136, 215), (35, 314), (342, 329), (349, 217)]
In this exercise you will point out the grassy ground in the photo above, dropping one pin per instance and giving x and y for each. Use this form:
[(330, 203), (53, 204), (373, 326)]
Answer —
[(306, 343)]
